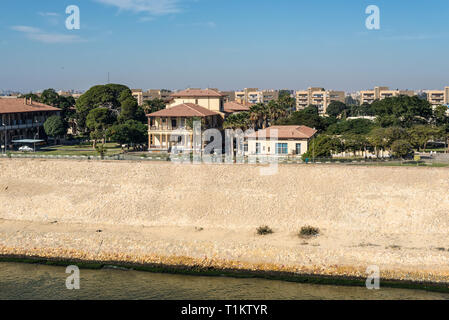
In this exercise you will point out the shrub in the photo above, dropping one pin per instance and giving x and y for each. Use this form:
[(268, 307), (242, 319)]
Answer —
[(309, 231), (265, 230)]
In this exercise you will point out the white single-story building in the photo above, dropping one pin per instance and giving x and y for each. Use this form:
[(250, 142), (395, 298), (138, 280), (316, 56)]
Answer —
[(280, 141)]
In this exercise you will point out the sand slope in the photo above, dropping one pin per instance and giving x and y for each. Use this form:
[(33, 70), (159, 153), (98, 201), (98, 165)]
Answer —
[(396, 218)]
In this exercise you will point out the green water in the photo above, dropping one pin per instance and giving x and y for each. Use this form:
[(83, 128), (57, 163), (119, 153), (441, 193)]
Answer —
[(29, 281)]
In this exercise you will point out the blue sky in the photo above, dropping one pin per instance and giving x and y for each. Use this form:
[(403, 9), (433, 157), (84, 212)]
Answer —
[(227, 44)]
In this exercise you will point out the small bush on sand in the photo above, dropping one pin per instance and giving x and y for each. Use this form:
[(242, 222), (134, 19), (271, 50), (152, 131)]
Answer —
[(265, 230), (308, 231)]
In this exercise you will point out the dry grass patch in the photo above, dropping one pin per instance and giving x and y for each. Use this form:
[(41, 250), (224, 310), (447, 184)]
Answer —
[(264, 230), (308, 232)]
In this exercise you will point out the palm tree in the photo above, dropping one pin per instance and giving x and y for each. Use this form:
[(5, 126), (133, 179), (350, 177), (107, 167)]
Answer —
[(238, 121)]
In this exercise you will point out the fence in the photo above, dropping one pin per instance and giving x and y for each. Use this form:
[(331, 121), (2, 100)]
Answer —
[(191, 158)]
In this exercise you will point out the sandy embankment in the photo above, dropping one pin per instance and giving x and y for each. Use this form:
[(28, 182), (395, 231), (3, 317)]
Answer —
[(396, 218)]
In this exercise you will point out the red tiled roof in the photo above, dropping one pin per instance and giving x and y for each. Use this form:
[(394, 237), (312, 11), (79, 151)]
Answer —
[(184, 110), (231, 107), (285, 132), (19, 106), (197, 93)]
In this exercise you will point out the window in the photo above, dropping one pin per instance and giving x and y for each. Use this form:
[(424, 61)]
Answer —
[(173, 123), (257, 148), (298, 148), (281, 148)]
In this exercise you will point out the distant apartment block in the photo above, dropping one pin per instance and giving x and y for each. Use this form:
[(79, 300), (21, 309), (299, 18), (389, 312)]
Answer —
[(438, 97), (142, 96), (70, 93), (254, 95), (318, 97), (380, 93)]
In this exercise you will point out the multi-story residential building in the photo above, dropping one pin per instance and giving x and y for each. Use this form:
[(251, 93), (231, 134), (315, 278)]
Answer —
[(142, 96), (173, 126), (209, 99), (438, 97), (280, 141), (254, 95), (318, 97), (22, 119), (380, 93), (229, 96)]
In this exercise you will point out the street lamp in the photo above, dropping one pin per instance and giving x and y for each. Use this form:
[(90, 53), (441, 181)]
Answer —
[(6, 134), (37, 134)]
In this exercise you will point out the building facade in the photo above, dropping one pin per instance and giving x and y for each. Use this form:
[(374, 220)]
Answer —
[(250, 96), (280, 141), (142, 96), (380, 93), (209, 99), (173, 126), (318, 97), (23, 119), (438, 97)]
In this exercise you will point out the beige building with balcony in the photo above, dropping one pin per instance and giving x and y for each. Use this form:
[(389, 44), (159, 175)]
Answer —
[(380, 93), (174, 123), (438, 97), (318, 97), (250, 96), (280, 141), (209, 99)]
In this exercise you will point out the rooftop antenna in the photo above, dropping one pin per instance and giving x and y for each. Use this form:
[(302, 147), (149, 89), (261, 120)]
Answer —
[(108, 77)]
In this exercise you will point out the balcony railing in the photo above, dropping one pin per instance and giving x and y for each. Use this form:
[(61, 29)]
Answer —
[(20, 125), (169, 128)]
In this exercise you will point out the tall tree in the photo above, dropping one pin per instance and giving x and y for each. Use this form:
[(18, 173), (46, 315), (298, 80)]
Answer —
[(108, 96), (130, 132), (336, 109), (402, 111), (54, 127), (130, 110), (401, 148), (97, 121), (420, 135), (153, 105), (50, 97), (440, 115)]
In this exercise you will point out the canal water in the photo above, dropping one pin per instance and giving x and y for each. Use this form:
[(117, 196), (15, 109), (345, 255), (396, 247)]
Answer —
[(29, 281)]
